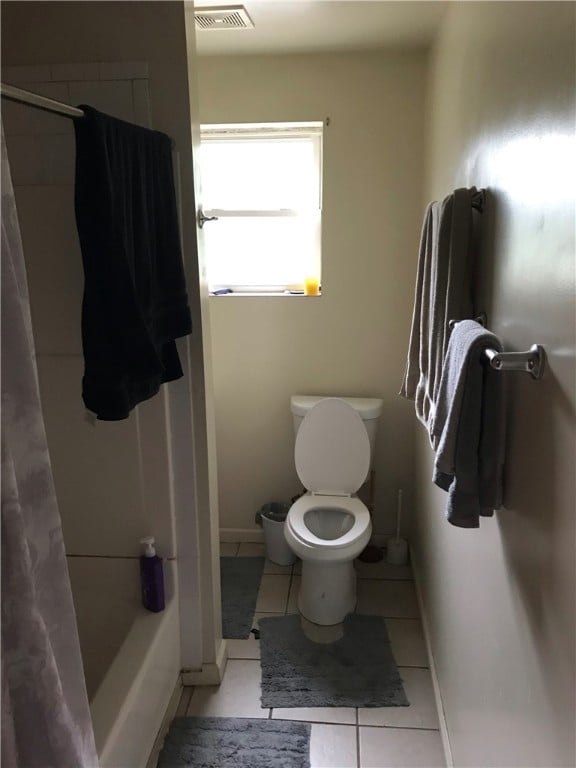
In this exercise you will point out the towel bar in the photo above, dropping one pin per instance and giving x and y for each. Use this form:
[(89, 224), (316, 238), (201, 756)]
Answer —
[(533, 361)]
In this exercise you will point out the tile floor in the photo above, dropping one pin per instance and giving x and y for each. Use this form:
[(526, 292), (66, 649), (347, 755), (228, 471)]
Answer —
[(387, 737)]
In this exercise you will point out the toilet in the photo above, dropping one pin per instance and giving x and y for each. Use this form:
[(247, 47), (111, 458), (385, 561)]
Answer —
[(329, 526)]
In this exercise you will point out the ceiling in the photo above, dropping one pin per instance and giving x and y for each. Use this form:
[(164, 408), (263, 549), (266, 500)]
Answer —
[(282, 26)]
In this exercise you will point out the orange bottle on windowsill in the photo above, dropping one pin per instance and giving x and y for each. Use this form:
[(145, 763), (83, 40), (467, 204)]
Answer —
[(311, 286)]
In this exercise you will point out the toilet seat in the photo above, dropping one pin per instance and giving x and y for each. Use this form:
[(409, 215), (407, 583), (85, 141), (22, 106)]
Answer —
[(351, 504), (332, 451)]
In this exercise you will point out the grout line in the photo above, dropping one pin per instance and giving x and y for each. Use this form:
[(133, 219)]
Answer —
[(312, 722), (402, 728), (289, 591)]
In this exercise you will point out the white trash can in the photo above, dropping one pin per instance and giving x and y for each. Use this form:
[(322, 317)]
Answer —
[(273, 516)]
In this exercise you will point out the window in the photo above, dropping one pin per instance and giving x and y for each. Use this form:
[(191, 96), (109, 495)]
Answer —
[(263, 183)]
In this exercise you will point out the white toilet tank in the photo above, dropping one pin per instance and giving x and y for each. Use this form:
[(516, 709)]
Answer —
[(368, 408)]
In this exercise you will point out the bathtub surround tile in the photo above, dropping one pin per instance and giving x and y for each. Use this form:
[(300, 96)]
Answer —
[(400, 748), (391, 599), (22, 120), (123, 70), (111, 96), (340, 715), (141, 97), (422, 710), (111, 522), (408, 643), (82, 70), (58, 157), (42, 159), (333, 745), (156, 471), (237, 696), (16, 75), (273, 594), (25, 160)]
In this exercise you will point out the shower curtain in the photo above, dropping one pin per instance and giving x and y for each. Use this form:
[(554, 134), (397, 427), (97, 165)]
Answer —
[(45, 713)]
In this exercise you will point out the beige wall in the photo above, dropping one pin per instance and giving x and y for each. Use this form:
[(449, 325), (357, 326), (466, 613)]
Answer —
[(500, 600), (352, 340)]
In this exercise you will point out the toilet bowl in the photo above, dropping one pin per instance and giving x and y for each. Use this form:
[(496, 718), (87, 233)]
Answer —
[(328, 527)]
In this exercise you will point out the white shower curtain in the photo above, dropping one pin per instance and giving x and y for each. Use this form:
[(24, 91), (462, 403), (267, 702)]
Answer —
[(45, 713)]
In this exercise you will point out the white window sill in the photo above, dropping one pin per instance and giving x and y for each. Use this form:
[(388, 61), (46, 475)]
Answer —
[(275, 294)]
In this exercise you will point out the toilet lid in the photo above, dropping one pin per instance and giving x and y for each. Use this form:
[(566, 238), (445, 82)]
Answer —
[(332, 452)]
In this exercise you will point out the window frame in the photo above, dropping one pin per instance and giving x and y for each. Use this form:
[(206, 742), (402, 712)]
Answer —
[(312, 131)]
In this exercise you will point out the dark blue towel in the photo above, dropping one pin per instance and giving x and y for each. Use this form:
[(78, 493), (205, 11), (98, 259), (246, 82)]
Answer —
[(135, 303)]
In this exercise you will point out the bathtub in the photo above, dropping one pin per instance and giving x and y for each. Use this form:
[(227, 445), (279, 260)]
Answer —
[(131, 656)]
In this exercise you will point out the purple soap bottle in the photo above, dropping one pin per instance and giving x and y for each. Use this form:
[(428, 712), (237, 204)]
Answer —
[(151, 577)]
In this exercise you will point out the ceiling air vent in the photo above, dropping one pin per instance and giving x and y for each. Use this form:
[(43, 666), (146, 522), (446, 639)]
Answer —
[(223, 17)]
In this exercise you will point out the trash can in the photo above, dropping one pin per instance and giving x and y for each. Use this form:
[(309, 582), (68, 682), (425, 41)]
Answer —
[(272, 517)]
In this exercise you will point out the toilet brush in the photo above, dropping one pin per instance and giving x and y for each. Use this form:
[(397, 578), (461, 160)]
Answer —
[(397, 548)]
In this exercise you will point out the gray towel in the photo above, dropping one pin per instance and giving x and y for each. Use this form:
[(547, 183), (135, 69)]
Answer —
[(443, 292), (467, 432)]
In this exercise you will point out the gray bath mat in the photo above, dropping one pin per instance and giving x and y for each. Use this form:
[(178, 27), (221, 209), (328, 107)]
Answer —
[(240, 581), (235, 742), (356, 671)]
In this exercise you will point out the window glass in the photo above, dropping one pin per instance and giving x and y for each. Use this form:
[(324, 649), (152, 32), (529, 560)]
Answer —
[(264, 185)]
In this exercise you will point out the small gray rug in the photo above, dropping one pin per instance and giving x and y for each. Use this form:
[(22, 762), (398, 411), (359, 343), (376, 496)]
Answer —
[(356, 671), (235, 742), (240, 581)]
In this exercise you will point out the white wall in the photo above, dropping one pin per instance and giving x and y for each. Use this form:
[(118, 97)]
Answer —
[(352, 340), (500, 600)]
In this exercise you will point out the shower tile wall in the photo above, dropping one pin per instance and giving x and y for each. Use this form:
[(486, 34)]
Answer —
[(111, 478)]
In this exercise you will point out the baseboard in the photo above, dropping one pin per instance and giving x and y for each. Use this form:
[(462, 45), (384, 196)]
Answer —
[(255, 535), (435, 683), (210, 674), (168, 717)]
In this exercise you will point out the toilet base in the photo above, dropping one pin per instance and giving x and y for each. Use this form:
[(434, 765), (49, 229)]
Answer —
[(327, 591)]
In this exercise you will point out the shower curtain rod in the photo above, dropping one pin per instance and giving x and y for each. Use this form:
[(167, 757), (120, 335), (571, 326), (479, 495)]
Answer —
[(40, 102)]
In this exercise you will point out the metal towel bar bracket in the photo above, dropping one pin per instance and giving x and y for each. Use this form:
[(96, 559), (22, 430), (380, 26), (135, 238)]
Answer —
[(533, 361)]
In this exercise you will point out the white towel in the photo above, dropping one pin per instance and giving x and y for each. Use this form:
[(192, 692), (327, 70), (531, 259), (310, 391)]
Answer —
[(467, 432), (443, 292)]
